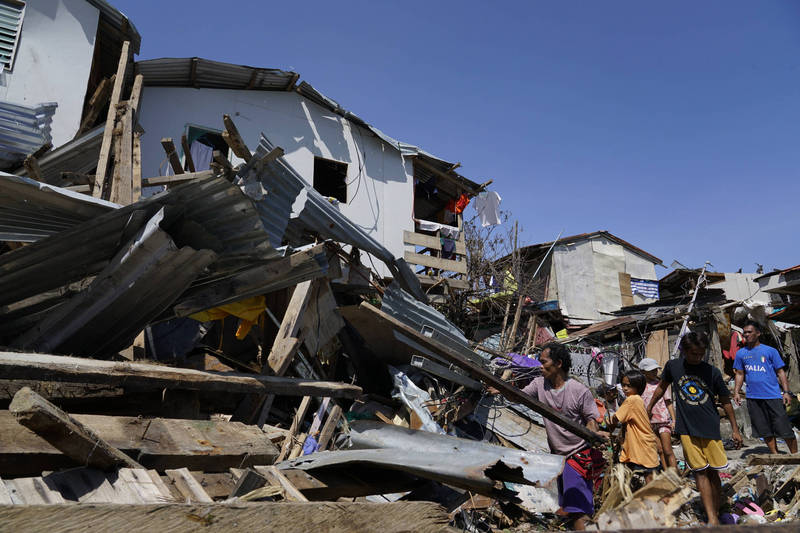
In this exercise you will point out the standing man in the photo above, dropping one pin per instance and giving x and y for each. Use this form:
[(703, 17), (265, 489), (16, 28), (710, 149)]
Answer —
[(761, 367), (696, 385), (574, 400)]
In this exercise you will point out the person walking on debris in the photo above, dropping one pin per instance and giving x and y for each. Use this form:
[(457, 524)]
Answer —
[(761, 367), (696, 385), (639, 449), (574, 400), (663, 418)]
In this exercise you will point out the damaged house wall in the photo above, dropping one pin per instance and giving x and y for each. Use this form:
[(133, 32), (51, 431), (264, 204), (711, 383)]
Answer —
[(53, 61), (379, 180)]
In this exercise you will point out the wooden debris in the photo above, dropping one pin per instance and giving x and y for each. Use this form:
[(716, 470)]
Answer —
[(187, 152), (249, 481), (180, 178), (773, 459), (96, 103), (188, 486), (286, 342), (275, 477), (329, 427), (73, 438), (141, 376), (290, 517), (172, 155), (103, 162), (234, 139), (160, 443), (299, 415)]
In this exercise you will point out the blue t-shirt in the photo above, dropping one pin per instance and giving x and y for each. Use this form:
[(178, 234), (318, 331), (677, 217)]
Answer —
[(759, 365)]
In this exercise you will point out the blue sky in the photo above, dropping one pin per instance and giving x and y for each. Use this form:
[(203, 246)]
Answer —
[(674, 125)]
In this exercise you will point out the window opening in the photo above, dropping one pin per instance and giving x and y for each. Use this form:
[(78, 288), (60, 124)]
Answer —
[(330, 178), (202, 143)]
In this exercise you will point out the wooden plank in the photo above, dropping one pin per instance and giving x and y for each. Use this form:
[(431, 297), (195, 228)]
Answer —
[(329, 427), (292, 82), (321, 320), (5, 495), (180, 178), (299, 415), (105, 146), (320, 485), (96, 103), (121, 191), (187, 153), (625, 290), (136, 95), (172, 155), (143, 376), (773, 459), (140, 482), (288, 517), (64, 432), (459, 185), (234, 139), (33, 491), (508, 391), (427, 281), (431, 241), (84, 485), (249, 481), (188, 486), (280, 356), (137, 167), (436, 262), (276, 478)]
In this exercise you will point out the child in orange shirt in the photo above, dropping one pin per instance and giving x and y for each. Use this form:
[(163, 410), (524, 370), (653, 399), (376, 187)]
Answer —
[(639, 449)]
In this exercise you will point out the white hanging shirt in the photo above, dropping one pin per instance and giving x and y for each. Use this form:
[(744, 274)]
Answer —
[(488, 206)]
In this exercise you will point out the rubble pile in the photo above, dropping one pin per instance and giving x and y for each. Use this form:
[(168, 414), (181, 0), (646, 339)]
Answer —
[(209, 349)]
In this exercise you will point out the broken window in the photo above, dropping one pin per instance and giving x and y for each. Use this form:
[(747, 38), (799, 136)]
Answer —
[(330, 178), (202, 144), (11, 13)]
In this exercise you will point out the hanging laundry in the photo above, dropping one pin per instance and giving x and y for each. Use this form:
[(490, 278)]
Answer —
[(448, 248), (458, 206), (736, 341), (488, 206), (202, 155)]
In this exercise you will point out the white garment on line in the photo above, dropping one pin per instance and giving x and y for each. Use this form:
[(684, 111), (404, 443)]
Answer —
[(488, 206), (202, 155)]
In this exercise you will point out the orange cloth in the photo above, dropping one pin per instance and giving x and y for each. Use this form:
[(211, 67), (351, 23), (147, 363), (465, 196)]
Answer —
[(640, 442), (601, 408)]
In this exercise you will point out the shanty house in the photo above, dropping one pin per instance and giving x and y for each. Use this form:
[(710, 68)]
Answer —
[(53, 55), (395, 191), (591, 275)]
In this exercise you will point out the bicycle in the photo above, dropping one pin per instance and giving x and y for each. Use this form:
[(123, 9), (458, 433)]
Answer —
[(607, 365)]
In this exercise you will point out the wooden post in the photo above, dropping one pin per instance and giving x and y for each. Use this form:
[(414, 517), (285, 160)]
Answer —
[(121, 190), (172, 155), (299, 415), (65, 433), (187, 152), (98, 99), (329, 427), (32, 166), (105, 146), (234, 139)]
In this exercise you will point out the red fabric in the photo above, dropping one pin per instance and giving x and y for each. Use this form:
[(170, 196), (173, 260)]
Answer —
[(461, 203), (589, 463), (736, 340)]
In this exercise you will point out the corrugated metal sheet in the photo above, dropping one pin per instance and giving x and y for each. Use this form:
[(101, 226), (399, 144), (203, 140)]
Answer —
[(23, 130), (177, 72), (78, 155), (468, 464), (30, 210), (259, 279), (204, 214), (142, 280), (288, 196), (427, 320)]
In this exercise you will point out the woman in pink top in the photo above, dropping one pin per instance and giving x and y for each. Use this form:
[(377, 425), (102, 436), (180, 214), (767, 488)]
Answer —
[(663, 415)]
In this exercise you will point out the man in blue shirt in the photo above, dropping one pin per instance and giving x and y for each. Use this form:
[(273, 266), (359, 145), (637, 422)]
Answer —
[(762, 367)]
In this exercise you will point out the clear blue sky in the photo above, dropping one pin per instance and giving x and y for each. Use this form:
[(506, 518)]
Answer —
[(675, 125)]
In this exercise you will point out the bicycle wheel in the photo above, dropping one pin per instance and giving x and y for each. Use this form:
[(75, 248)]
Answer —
[(604, 369)]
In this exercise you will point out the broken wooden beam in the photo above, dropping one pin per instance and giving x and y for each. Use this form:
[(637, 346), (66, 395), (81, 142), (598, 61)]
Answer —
[(73, 438), (187, 152), (773, 459), (329, 427), (507, 390), (158, 443), (172, 155), (148, 377), (286, 341), (180, 178), (188, 486), (105, 146), (234, 139), (297, 420), (275, 477), (96, 103), (288, 517)]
